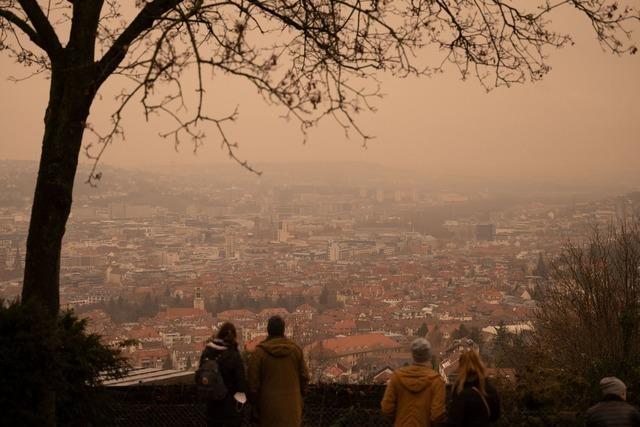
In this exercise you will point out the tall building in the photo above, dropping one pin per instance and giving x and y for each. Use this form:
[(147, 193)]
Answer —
[(486, 232), (283, 232), (334, 251), (230, 244)]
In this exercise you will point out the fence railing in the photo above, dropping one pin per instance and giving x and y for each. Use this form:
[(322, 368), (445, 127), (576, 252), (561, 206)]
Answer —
[(325, 405)]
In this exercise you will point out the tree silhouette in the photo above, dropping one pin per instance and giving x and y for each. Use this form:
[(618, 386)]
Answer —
[(461, 332), (595, 293), (314, 58), (423, 330)]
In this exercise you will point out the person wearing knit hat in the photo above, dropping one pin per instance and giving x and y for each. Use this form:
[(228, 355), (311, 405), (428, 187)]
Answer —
[(613, 410), (415, 394), (421, 350), (612, 385)]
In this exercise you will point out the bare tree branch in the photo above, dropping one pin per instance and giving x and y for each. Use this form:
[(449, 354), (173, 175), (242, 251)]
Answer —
[(143, 21), (45, 31), (23, 25)]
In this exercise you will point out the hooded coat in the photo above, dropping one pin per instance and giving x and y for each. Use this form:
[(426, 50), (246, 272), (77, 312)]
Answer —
[(278, 378), (414, 397), (226, 411)]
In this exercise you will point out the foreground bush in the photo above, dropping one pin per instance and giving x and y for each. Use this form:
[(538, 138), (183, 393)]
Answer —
[(61, 360), (586, 326)]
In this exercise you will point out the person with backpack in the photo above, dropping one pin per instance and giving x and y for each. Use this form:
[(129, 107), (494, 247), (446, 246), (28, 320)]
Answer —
[(278, 378), (475, 402), (221, 379)]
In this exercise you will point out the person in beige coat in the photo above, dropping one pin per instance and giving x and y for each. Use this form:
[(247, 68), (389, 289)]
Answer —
[(278, 378), (415, 394)]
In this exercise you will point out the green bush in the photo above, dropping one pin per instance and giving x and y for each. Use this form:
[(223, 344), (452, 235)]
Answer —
[(41, 359)]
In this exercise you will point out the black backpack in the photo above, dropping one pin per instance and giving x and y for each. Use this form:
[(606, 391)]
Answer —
[(209, 381)]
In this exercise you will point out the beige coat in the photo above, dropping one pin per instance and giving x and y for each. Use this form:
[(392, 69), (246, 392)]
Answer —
[(278, 378)]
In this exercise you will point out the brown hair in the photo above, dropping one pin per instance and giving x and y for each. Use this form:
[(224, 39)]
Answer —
[(470, 366), (227, 333)]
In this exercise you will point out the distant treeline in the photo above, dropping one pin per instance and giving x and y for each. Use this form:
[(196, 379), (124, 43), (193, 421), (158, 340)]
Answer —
[(123, 310)]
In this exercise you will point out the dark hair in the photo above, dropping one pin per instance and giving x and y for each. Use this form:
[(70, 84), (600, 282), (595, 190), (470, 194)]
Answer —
[(227, 333), (275, 326)]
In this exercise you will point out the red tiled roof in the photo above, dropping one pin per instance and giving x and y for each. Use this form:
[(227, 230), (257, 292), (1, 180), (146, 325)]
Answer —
[(178, 312), (359, 343)]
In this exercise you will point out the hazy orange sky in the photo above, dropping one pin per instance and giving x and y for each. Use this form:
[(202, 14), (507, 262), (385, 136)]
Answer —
[(583, 117)]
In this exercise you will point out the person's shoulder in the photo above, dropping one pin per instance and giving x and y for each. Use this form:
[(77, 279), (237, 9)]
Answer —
[(233, 352), (393, 378), (294, 345), (208, 352), (232, 348), (632, 409), (596, 408), (466, 393), (490, 387)]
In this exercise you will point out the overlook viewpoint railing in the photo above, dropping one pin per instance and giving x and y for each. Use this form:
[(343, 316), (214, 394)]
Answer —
[(326, 405)]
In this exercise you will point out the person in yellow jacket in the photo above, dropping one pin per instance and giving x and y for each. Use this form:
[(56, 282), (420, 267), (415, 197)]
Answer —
[(415, 394)]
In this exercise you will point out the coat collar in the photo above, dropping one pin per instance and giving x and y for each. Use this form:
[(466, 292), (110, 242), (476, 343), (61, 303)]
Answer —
[(217, 344)]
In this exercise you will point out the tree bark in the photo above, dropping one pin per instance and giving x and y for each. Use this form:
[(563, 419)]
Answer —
[(72, 91), (71, 94)]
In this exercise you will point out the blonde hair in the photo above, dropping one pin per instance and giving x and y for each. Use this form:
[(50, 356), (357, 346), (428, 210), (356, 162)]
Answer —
[(469, 366)]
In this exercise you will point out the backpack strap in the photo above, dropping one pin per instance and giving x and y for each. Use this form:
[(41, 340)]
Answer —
[(215, 357), (484, 400)]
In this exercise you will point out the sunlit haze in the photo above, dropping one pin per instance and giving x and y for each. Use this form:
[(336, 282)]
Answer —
[(580, 121)]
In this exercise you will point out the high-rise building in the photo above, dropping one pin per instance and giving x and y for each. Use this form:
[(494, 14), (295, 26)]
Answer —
[(486, 232), (334, 251), (230, 244), (283, 232)]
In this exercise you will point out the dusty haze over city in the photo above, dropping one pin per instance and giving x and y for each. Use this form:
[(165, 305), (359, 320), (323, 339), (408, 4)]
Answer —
[(500, 224), (580, 121)]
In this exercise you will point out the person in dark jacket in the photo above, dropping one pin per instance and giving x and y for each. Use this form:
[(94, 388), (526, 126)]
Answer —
[(613, 410), (278, 378), (224, 348), (475, 401)]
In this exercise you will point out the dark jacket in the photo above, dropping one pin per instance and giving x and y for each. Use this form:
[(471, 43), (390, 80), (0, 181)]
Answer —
[(612, 411), (278, 378), (226, 411), (468, 409)]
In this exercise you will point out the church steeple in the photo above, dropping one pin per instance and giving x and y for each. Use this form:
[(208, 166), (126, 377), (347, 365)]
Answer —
[(17, 262), (198, 300), (541, 269)]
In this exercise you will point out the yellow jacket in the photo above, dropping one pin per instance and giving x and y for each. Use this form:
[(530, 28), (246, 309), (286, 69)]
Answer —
[(414, 397)]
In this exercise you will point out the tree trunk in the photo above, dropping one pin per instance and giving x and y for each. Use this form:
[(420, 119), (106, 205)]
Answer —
[(71, 93), (70, 98)]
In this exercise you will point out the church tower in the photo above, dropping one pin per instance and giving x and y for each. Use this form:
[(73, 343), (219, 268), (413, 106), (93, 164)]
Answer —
[(198, 301)]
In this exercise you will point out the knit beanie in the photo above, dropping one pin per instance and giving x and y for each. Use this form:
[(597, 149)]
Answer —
[(421, 350), (612, 385)]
